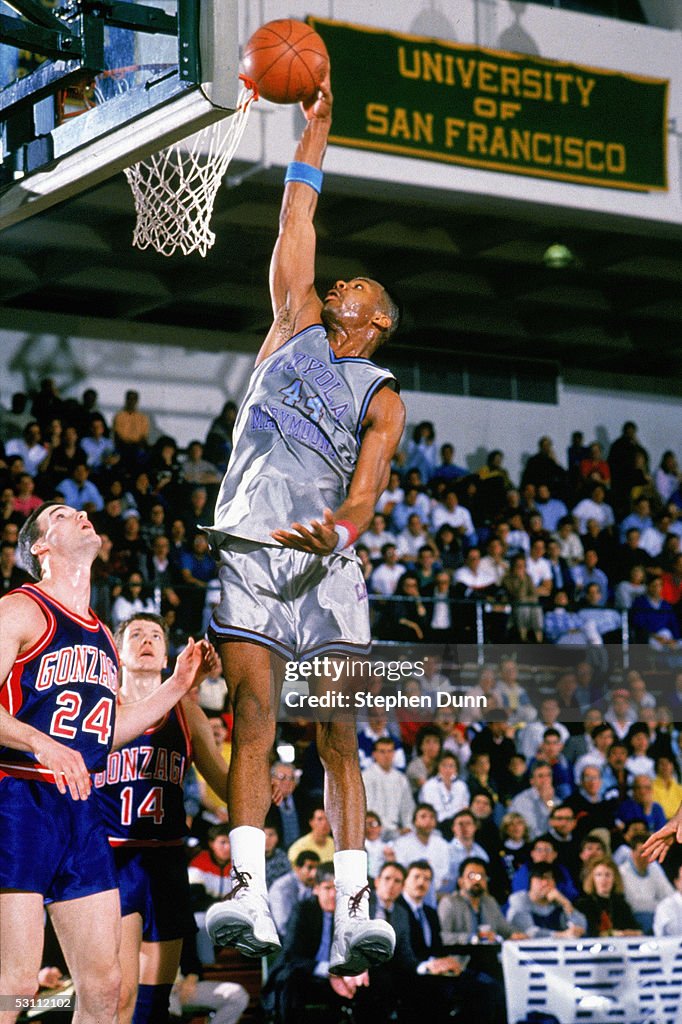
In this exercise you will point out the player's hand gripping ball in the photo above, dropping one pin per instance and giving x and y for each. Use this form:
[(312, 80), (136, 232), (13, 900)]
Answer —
[(287, 60)]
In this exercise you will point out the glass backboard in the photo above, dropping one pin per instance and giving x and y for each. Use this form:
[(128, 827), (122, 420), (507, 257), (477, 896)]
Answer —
[(89, 88)]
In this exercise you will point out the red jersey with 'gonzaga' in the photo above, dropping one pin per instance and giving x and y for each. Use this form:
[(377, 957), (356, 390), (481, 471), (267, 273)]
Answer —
[(64, 686)]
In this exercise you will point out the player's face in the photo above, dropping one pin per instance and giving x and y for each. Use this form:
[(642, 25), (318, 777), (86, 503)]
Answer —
[(144, 647), (355, 303), (66, 531)]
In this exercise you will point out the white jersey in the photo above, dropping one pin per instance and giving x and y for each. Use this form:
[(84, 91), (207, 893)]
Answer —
[(296, 438)]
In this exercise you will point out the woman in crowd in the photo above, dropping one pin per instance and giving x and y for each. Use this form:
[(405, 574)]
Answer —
[(405, 618), (604, 905)]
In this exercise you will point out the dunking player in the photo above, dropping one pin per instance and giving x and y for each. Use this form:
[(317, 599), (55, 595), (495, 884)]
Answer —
[(316, 432), (58, 672), (141, 800)]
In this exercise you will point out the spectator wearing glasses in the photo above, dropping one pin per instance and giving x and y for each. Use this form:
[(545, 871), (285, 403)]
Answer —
[(472, 914)]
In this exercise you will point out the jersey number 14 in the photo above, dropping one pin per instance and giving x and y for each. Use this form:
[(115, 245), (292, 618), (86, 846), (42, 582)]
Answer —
[(150, 807)]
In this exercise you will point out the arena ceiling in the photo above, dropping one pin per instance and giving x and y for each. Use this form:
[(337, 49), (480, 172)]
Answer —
[(468, 272)]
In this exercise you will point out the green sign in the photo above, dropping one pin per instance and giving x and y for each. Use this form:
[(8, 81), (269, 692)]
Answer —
[(437, 100)]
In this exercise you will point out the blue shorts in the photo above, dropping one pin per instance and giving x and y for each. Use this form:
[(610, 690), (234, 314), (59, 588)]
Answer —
[(52, 844), (154, 884)]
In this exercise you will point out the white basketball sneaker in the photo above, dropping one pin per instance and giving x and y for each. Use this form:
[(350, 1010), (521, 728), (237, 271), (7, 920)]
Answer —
[(358, 942), (243, 919)]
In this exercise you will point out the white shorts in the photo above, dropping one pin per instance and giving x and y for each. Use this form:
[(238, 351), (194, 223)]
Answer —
[(296, 604)]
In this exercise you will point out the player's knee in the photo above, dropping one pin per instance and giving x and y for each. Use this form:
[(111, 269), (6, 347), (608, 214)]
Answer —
[(254, 719), (99, 993)]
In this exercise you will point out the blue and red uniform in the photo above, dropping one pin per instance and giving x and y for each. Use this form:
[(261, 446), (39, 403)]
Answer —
[(141, 799), (65, 686)]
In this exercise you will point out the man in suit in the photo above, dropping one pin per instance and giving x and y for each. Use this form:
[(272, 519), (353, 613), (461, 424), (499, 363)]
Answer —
[(286, 892), (423, 974)]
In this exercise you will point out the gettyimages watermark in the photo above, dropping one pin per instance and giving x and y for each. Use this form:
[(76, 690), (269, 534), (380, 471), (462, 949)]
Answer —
[(478, 684), (412, 681)]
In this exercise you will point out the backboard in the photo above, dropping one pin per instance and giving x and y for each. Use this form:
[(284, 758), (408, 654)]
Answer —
[(115, 81)]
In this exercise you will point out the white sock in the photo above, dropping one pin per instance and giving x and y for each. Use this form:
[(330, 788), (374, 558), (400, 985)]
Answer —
[(350, 870), (248, 851)]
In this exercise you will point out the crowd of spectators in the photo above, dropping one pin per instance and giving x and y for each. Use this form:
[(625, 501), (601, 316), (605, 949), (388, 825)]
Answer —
[(556, 557)]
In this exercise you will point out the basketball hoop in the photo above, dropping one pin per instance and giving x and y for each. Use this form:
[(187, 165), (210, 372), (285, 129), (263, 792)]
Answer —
[(174, 190)]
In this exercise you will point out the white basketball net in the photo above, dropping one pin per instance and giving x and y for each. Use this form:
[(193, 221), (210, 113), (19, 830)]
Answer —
[(174, 190)]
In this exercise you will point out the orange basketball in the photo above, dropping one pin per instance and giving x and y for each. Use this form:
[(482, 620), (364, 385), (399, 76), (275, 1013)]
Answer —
[(286, 59)]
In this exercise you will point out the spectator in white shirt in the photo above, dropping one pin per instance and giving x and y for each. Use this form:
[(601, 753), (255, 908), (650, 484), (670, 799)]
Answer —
[(385, 577), (668, 913), (539, 569), (30, 448), (638, 762), (446, 793), (471, 577), (494, 561), (376, 536), (424, 842), (455, 515), (594, 507), (387, 790), (570, 544), (531, 736), (653, 537), (411, 539)]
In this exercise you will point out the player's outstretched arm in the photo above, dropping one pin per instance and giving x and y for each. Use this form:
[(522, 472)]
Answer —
[(208, 759), (658, 844), (384, 424), (295, 302), (21, 626), (193, 664)]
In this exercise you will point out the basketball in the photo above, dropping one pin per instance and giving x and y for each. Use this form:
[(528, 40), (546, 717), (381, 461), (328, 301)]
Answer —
[(286, 59)]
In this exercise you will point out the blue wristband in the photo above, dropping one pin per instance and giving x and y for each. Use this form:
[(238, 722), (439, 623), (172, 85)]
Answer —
[(306, 174)]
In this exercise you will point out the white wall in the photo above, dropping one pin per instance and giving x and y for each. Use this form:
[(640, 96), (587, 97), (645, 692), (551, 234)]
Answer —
[(184, 388)]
